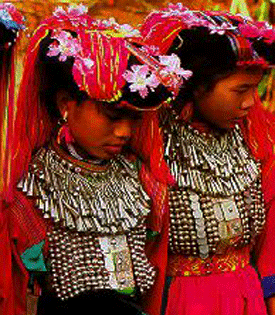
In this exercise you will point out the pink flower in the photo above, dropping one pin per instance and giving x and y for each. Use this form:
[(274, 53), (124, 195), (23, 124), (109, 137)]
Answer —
[(220, 29), (73, 10), (174, 10), (151, 50), (127, 30), (9, 12), (77, 10), (67, 46), (141, 79), (172, 65)]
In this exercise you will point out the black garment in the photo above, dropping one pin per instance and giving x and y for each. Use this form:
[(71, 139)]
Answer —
[(101, 303)]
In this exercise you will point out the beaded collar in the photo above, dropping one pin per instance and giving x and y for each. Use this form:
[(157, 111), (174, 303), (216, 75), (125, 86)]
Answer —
[(84, 197)]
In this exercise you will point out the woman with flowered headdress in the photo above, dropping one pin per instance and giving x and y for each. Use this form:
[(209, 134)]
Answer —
[(77, 208), (219, 146), (11, 24)]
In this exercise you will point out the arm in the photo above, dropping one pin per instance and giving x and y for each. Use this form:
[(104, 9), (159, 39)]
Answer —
[(270, 305)]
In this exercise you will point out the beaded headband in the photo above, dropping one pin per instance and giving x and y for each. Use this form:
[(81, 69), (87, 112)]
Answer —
[(101, 49), (241, 31)]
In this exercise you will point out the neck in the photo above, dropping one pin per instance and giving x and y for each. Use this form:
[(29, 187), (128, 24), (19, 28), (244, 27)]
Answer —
[(78, 153)]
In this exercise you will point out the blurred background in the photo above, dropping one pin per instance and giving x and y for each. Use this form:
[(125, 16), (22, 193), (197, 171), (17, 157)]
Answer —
[(134, 11)]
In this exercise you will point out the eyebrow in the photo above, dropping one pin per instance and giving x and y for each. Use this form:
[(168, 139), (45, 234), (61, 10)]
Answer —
[(247, 85)]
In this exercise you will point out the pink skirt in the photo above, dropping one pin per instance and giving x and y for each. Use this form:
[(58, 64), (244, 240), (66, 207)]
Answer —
[(231, 293)]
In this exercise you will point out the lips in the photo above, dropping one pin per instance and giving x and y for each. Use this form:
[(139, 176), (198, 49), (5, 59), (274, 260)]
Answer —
[(114, 149)]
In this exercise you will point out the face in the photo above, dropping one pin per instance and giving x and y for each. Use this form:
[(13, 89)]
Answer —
[(100, 131), (230, 100)]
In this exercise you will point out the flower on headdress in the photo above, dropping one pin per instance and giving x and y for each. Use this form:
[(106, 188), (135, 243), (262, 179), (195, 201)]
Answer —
[(11, 17), (67, 46), (4, 15), (220, 29), (172, 65), (141, 79), (73, 10), (151, 50), (127, 30), (174, 10)]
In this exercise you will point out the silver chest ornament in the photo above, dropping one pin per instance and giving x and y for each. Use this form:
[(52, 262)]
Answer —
[(98, 239), (218, 200)]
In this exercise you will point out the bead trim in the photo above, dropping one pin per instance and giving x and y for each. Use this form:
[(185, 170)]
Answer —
[(79, 262)]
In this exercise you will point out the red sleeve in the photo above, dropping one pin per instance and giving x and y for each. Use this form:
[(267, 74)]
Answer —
[(157, 252), (21, 227), (6, 285), (265, 244)]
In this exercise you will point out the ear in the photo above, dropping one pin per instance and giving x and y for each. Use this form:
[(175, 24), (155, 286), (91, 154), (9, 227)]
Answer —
[(63, 101), (199, 92)]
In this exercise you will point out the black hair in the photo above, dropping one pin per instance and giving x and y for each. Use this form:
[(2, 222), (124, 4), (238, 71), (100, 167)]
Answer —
[(209, 56), (55, 76), (7, 39)]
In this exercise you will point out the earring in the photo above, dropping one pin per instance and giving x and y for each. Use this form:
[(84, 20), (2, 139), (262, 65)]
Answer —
[(64, 119)]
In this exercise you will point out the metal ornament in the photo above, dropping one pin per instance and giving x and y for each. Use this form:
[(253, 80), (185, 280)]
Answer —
[(105, 201), (98, 237), (218, 202)]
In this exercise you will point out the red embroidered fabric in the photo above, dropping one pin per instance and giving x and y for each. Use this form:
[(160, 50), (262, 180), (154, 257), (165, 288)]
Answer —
[(233, 260)]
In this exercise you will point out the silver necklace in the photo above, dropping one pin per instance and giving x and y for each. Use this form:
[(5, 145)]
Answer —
[(106, 201)]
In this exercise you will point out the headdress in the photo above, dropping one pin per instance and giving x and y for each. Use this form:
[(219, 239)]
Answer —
[(99, 51), (11, 23), (250, 41)]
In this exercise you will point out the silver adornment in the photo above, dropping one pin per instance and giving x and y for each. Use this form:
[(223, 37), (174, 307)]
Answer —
[(105, 201), (217, 165), (218, 202), (82, 262)]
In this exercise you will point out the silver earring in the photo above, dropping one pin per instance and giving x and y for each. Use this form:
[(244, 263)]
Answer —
[(64, 119)]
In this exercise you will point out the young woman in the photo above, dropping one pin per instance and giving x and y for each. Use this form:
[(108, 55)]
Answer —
[(219, 144), (77, 217), (11, 24)]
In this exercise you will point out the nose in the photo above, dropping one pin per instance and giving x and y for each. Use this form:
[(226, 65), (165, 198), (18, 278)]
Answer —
[(123, 129), (249, 101)]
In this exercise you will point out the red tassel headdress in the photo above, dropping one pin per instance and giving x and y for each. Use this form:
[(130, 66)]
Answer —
[(161, 28)]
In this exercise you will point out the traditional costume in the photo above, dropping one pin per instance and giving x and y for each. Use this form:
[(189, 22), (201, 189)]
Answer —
[(221, 207), (11, 24), (79, 221)]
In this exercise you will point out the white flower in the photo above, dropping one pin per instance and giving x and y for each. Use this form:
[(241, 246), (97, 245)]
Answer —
[(4, 15), (220, 29), (89, 63), (172, 65), (77, 10), (141, 79), (73, 10), (67, 46), (127, 30)]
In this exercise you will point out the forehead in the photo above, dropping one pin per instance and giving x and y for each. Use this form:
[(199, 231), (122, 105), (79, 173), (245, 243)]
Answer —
[(119, 111), (243, 77)]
